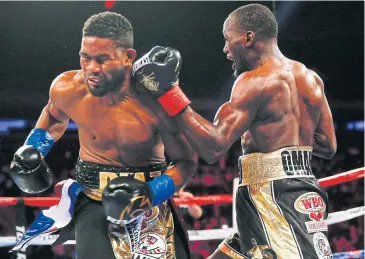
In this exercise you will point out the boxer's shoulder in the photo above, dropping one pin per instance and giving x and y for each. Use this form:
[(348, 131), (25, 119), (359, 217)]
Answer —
[(262, 84), (301, 72), (67, 85), (308, 83), (148, 106), (248, 87), (265, 76)]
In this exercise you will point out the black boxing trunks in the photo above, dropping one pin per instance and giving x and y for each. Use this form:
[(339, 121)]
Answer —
[(159, 233), (280, 207)]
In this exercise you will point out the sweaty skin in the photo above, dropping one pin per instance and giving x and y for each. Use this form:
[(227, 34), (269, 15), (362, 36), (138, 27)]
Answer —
[(115, 129), (277, 103)]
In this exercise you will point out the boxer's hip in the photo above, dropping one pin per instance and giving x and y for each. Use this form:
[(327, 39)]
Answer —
[(283, 217), (285, 163), (150, 235), (280, 207), (94, 177)]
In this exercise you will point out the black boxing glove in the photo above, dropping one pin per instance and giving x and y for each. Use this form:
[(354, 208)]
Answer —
[(125, 199), (158, 71), (29, 171)]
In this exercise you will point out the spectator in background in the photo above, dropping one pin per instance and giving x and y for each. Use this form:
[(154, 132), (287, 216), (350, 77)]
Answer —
[(345, 236), (189, 212)]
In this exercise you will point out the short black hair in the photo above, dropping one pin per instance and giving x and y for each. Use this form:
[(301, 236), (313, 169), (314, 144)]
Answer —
[(110, 25), (257, 18)]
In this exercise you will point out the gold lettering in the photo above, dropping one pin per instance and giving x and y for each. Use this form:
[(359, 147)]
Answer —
[(140, 177), (105, 178)]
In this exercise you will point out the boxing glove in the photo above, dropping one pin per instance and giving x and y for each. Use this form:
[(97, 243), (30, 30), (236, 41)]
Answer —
[(158, 72), (124, 198), (29, 171)]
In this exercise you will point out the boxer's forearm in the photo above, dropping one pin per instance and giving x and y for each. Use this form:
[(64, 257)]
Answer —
[(46, 132), (56, 128), (202, 135), (181, 172), (164, 186), (323, 147)]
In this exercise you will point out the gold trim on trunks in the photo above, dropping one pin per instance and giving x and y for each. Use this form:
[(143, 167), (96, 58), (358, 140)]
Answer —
[(151, 236), (287, 162), (106, 177), (229, 251), (278, 230)]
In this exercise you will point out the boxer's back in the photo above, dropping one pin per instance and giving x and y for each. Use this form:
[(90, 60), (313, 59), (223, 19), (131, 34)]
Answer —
[(122, 133), (289, 107)]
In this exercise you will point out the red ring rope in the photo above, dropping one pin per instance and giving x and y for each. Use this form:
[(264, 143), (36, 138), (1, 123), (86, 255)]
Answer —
[(200, 200), (342, 178)]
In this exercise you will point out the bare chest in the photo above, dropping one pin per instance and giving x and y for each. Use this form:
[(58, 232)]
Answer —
[(125, 126)]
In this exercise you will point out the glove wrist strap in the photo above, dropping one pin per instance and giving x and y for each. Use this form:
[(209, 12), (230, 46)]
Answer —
[(41, 140), (174, 101), (162, 189)]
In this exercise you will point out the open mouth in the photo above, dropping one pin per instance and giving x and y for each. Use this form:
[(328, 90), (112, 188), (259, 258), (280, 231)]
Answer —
[(93, 81)]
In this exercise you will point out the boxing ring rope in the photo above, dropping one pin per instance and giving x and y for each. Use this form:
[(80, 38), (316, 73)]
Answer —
[(199, 200), (210, 234), (342, 178), (51, 201)]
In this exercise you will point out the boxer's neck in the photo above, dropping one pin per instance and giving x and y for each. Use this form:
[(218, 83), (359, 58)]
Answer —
[(123, 94), (263, 53)]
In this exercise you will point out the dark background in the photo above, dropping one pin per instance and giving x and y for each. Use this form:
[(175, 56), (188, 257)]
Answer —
[(40, 40)]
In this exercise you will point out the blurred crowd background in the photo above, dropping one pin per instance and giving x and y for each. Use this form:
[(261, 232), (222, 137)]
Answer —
[(209, 179)]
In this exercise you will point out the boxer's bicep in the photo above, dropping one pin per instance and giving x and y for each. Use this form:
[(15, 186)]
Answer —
[(212, 140), (235, 117), (232, 122), (52, 118)]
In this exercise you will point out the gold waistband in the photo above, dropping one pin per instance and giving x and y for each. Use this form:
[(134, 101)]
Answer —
[(288, 162), (106, 177)]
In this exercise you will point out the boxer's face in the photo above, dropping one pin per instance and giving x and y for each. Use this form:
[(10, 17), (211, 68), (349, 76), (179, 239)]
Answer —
[(235, 46), (104, 65)]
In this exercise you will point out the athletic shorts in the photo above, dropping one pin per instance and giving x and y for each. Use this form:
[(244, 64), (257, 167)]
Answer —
[(158, 233), (280, 208)]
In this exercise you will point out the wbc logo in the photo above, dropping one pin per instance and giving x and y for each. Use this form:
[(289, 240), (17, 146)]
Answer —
[(312, 204)]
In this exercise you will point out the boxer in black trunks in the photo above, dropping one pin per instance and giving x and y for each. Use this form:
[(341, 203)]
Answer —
[(121, 138), (279, 111)]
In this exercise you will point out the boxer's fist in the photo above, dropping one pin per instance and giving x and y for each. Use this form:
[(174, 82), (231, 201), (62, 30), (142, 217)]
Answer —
[(158, 72), (29, 171), (125, 199)]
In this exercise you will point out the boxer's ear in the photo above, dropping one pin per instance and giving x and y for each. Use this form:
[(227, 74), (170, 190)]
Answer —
[(248, 38), (130, 56)]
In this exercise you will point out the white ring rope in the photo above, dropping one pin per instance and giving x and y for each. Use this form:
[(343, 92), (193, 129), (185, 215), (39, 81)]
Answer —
[(194, 235), (216, 234)]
